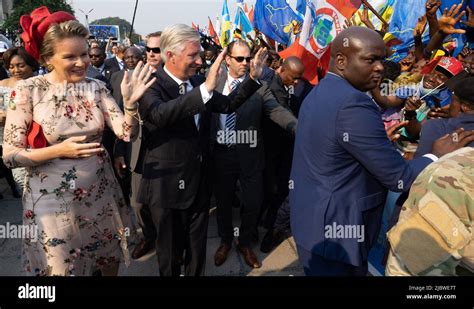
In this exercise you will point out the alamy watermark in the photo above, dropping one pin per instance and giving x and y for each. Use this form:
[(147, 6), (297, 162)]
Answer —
[(75, 89), (28, 291), (21, 231), (345, 231), (243, 137)]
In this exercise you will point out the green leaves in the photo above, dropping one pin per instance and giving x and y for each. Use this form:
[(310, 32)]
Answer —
[(25, 7)]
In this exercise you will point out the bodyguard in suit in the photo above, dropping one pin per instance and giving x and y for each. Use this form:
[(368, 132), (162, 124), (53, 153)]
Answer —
[(115, 63), (176, 111), (344, 163), (238, 154), (289, 88), (125, 162)]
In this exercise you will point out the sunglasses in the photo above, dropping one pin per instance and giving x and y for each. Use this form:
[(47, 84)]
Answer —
[(240, 58), (94, 56), (155, 50)]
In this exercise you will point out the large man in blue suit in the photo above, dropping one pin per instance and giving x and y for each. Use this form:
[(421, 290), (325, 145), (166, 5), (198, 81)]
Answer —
[(344, 162)]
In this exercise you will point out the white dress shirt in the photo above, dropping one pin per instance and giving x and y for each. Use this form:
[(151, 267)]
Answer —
[(205, 95), (226, 91)]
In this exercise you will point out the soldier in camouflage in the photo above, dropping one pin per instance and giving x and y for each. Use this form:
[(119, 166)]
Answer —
[(434, 234)]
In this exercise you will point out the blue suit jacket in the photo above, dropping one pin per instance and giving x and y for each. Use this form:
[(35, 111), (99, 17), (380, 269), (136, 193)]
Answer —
[(343, 164)]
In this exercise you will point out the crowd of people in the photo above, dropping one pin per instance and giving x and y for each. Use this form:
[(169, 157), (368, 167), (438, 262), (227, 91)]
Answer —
[(122, 144)]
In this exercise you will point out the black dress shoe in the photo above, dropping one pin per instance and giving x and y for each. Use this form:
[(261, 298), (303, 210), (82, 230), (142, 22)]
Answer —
[(271, 240), (142, 248)]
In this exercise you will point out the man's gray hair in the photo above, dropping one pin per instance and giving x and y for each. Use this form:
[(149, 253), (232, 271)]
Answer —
[(175, 37)]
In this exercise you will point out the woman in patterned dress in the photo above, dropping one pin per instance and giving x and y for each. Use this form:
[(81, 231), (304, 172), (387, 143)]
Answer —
[(71, 201), (21, 66)]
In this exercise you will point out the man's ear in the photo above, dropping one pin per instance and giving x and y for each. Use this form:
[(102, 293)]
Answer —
[(169, 55), (340, 61), (227, 60)]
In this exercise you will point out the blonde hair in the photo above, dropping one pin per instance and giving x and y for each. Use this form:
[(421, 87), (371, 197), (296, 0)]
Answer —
[(58, 32), (175, 37)]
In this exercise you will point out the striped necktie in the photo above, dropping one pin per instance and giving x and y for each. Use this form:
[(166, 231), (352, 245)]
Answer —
[(230, 119)]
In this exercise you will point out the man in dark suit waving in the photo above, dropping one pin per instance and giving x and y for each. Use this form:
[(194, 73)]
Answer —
[(344, 162), (176, 111)]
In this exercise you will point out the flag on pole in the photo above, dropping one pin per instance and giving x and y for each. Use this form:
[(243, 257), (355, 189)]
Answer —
[(226, 26), (218, 27), (242, 22), (383, 7), (212, 32), (250, 15), (402, 24), (275, 19), (313, 45), (301, 7)]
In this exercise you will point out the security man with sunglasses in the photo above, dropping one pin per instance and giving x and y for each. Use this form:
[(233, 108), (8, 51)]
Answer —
[(238, 154)]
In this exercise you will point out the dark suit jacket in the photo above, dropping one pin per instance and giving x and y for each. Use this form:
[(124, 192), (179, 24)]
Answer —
[(115, 81), (111, 66), (94, 73), (176, 152), (250, 116), (343, 164), (436, 128), (275, 137), (3, 73)]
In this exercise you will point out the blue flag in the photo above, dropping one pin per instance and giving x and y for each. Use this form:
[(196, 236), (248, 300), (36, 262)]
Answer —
[(404, 20), (242, 22), (301, 7), (274, 18), (460, 39)]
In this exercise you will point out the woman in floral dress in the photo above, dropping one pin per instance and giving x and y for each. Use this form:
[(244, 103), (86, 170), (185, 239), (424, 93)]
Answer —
[(20, 66), (71, 194)]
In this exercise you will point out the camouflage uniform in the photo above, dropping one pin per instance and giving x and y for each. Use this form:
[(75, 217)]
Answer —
[(435, 231)]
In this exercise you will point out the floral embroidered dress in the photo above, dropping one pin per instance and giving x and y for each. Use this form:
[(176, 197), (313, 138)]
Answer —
[(76, 204)]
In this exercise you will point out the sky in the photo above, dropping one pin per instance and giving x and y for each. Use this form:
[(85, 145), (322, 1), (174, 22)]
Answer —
[(155, 15)]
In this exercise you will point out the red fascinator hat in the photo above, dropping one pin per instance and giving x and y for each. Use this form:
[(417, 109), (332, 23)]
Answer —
[(35, 26)]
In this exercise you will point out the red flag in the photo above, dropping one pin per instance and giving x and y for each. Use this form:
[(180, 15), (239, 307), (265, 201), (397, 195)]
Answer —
[(250, 15), (212, 32), (313, 45), (195, 27)]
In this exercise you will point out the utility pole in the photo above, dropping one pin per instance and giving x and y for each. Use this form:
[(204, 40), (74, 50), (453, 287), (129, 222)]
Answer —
[(133, 22), (87, 17)]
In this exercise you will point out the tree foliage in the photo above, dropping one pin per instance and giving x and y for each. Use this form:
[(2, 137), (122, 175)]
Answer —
[(25, 7)]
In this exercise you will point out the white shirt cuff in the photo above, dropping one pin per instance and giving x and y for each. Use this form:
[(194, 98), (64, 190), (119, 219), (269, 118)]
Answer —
[(431, 156), (205, 95)]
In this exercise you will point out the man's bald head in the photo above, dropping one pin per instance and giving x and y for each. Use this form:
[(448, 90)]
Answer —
[(293, 63), (353, 38), (291, 71), (356, 55)]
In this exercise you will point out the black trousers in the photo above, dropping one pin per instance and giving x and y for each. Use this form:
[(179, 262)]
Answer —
[(142, 211), (278, 159), (183, 232), (226, 172), (5, 171), (177, 231)]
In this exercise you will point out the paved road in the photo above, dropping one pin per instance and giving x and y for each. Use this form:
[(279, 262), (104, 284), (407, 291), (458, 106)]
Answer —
[(281, 262)]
